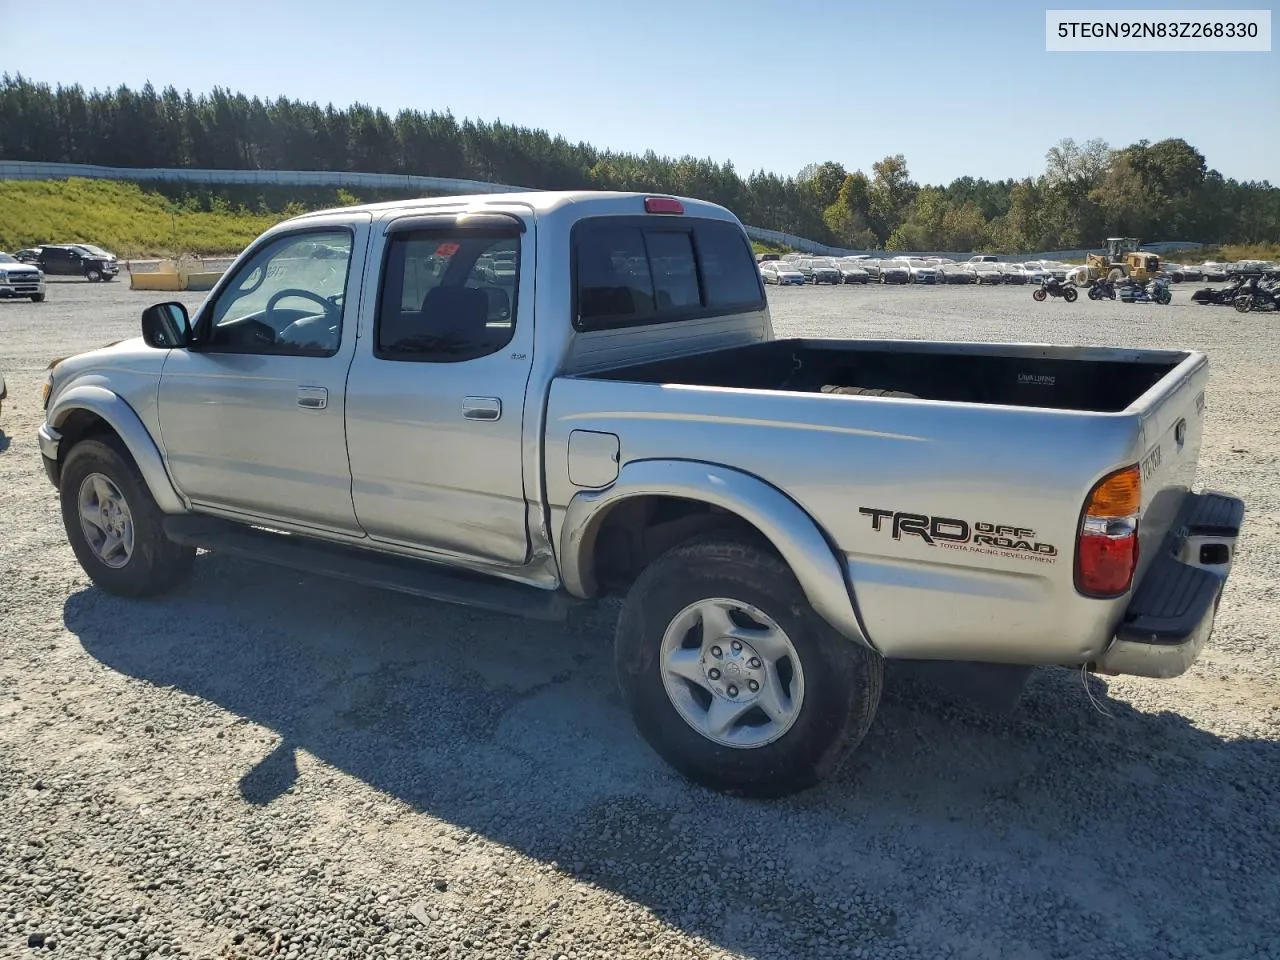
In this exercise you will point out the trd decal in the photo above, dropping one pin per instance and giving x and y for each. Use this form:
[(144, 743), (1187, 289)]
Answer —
[(990, 538)]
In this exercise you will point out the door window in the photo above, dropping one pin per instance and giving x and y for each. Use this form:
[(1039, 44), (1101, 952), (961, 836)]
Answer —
[(287, 299), (447, 296)]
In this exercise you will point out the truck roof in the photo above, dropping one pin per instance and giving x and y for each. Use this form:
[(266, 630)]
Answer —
[(540, 201)]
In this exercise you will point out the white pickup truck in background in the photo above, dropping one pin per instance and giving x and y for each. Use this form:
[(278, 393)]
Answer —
[(527, 401)]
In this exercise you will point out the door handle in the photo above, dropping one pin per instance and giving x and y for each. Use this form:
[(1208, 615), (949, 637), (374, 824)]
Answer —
[(481, 408), (313, 398)]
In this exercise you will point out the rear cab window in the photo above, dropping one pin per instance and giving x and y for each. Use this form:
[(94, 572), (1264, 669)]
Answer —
[(639, 270)]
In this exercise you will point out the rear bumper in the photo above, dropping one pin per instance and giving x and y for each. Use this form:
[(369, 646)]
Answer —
[(1171, 614)]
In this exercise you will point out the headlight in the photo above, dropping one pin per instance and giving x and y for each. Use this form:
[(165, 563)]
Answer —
[(47, 390)]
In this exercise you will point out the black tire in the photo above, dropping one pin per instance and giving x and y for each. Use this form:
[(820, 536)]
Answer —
[(157, 563), (92, 275), (1243, 304), (1069, 294), (1038, 295), (37, 298), (842, 679)]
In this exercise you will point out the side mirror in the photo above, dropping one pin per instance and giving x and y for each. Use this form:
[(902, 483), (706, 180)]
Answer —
[(166, 325)]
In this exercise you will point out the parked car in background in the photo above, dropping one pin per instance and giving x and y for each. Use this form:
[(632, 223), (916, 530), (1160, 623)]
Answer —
[(1080, 276), (76, 260), (1056, 269), (20, 280), (781, 273), (894, 271), (956, 273), (987, 271), (1213, 271), (1180, 272), (1014, 273), (819, 270), (984, 258), (852, 272), (871, 266), (1035, 271), (922, 271)]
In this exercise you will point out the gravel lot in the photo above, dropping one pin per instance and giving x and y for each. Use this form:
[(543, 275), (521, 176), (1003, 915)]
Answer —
[(266, 764)]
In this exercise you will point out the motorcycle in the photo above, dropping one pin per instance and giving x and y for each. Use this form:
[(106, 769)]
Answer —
[(1219, 296), (1102, 290), (1155, 291), (1255, 297), (1052, 286)]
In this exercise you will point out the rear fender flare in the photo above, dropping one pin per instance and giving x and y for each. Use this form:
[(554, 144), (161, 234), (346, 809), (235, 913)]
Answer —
[(121, 417), (791, 530)]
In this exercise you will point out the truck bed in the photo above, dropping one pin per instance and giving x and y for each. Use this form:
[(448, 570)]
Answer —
[(1093, 379)]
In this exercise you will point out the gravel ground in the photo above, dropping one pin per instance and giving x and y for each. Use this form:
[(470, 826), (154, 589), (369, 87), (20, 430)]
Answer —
[(266, 764)]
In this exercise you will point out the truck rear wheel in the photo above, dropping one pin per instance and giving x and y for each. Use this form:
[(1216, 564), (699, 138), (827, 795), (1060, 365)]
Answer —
[(733, 679), (114, 525)]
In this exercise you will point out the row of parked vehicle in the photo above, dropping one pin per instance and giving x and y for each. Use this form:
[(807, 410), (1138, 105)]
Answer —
[(22, 272), (798, 269), (1249, 290), (793, 269)]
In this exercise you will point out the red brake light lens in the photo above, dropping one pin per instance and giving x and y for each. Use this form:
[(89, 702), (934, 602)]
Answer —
[(1107, 546), (663, 205)]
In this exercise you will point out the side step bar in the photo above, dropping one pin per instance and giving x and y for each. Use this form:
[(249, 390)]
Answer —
[(421, 578)]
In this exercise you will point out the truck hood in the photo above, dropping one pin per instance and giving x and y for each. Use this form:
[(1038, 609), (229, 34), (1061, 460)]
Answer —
[(132, 353)]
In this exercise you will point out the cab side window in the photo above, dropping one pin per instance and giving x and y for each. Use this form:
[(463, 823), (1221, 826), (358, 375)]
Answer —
[(447, 297)]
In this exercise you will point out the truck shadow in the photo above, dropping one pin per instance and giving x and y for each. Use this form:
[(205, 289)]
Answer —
[(514, 730)]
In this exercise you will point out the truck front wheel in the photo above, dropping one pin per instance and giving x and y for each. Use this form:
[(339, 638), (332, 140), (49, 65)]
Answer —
[(113, 523), (733, 679)]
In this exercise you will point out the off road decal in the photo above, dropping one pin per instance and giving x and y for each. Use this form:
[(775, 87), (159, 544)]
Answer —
[(1151, 462), (992, 539)]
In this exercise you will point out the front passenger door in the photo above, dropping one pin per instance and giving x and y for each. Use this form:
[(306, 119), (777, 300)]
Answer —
[(252, 415)]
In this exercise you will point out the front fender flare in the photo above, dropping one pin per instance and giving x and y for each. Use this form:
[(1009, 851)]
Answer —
[(780, 519), (129, 427)]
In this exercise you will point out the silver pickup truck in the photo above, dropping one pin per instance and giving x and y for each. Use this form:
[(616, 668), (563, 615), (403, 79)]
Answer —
[(528, 401)]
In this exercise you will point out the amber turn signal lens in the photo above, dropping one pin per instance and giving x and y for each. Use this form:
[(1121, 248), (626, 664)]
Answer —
[(1117, 495)]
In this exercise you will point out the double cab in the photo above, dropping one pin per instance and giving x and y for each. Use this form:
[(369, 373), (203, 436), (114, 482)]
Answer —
[(529, 401)]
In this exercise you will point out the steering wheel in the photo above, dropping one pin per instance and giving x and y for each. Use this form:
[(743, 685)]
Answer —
[(332, 313)]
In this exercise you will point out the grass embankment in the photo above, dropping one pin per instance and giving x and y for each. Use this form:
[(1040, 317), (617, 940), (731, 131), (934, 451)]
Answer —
[(1231, 252), (124, 218)]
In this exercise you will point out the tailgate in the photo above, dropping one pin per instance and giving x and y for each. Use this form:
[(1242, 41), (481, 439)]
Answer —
[(1171, 417), (1186, 541)]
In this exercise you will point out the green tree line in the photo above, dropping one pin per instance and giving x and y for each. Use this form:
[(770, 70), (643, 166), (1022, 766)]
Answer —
[(1155, 191)]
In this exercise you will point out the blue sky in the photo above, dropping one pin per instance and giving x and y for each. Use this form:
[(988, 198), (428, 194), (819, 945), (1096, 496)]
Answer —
[(959, 88)]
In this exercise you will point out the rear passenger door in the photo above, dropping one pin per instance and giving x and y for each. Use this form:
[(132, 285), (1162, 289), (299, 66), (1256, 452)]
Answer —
[(435, 404)]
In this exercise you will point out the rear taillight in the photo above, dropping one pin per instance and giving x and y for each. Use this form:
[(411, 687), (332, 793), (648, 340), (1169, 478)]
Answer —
[(1107, 547), (663, 205)]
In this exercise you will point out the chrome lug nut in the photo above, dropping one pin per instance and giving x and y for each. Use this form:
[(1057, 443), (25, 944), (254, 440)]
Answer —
[(736, 646), (733, 691), (717, 652), (713, 673), (753, 686), (754, 663)]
